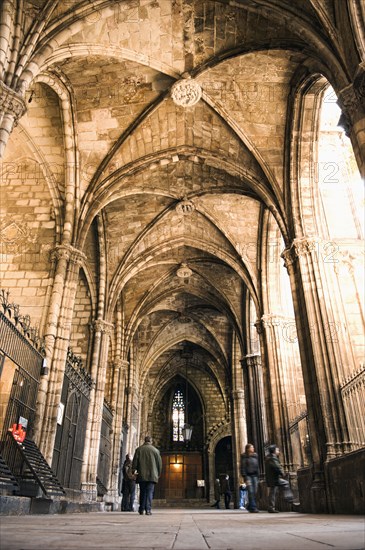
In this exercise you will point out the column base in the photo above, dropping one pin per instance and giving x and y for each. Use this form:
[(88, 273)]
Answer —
[(89, 492)]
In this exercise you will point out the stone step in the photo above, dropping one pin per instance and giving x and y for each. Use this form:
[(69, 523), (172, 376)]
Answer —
[(181, 503)]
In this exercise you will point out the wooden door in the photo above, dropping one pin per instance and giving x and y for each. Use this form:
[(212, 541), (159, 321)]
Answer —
[(180, 473)]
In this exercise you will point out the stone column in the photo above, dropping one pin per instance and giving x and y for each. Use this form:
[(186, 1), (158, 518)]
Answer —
[(321, 357), (57, 337), (252, 364), (102, 330), (277, 355), (239, 432), (352, 101), (120, 369), (12, 108)]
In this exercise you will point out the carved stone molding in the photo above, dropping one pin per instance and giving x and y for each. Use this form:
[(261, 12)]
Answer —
[(352, 98), (69, 253), (304, 246), (11, 102), (272, 320), (299, 248), (186, 92), (251, 360), (121, 364), (238, 394), (99, 325), (259, 326)]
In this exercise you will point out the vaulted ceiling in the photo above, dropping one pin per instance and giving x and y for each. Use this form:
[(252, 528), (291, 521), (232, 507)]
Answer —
[(160, 181)]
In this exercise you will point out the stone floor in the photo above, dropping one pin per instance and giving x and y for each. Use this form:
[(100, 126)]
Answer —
[(183, 530)]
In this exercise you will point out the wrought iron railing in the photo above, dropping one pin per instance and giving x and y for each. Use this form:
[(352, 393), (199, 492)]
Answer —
[(353, 397)]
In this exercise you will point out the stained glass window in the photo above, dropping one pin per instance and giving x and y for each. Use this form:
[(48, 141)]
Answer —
[(178, 416)]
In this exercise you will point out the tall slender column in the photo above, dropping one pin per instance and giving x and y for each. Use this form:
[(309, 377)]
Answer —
[(278, 357), (320, 356), (252, 364), (102, 330), (322, 359), (120, 370), (58, 332)]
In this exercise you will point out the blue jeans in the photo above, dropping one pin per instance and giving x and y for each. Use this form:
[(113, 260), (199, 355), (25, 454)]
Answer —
[(146, 490), (252, 484), (243, 497)]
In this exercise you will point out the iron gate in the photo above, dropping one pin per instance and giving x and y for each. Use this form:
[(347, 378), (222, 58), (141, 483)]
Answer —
[(72, 422)]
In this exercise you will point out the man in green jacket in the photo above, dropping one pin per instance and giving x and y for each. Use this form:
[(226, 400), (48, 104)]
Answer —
[(274, 478), (147, 463)]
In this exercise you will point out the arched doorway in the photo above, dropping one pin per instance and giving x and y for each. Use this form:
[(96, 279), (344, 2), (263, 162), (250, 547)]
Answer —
[(182, 462), (223, 462)]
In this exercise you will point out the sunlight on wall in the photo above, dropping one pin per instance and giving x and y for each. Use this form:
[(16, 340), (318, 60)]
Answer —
[(340, 184)]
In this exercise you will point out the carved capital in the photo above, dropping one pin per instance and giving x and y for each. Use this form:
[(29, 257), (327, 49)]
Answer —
[(304, 246), (238, 394), (352, 98), (68, 253), (186, 92), (271, 320), (99, 325), (251, 360), (299, 248), (11, 102), (121, 365)]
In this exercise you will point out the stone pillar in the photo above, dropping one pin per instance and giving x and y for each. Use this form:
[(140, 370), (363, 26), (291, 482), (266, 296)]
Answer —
[(320, 356), (352, 101), (252, 364), (12, 108), (120, 370), (278, 356), (102, 330), (239, 432), (57, 337)]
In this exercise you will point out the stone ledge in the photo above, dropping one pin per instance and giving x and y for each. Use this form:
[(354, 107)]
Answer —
[(18, 506)]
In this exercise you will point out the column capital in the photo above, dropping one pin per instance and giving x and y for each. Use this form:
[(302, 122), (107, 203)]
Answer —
[(299, 247), (11, 102), (69, 253), (99, 325), (120, 365), (272, 320), (238, 394), (251, 360), (351, 98)]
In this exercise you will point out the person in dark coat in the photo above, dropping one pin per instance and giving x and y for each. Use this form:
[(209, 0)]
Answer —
[(225, 489), (274, 478), (148, 464), (129, 485), (250, 473)]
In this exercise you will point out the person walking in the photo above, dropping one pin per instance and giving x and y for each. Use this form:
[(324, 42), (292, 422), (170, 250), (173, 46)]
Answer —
[(129, 485), (274, 478), (217, 494), (147, 463), (250, 473), (225, 490)]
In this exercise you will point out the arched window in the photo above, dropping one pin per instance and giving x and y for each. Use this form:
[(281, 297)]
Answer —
[(178, 415), (340, 186)]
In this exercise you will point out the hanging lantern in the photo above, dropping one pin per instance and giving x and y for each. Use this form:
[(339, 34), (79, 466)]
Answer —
[(187, 432)]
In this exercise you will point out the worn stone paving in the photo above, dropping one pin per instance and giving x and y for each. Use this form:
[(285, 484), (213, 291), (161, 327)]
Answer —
[(183, 530)]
